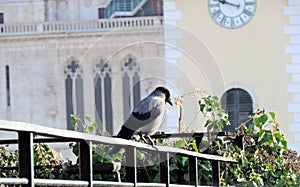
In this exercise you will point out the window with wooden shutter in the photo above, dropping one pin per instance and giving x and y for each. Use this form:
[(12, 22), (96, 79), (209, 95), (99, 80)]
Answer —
[(239, 106)]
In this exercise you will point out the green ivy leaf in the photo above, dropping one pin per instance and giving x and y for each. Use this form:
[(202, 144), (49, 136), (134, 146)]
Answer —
[(184, 160), (208, 122), (180, 143), (278, 136), (215, 98), (95, 125), (87, 118), (73, 121), (262, 135), (256, 121), (140, 155), (202, 106), (194, 145), (90, 129), (284, 143), (263, 118), (272, 114), (250, 128)]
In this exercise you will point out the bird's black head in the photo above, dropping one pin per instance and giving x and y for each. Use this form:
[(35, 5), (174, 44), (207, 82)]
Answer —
[(167, 94)]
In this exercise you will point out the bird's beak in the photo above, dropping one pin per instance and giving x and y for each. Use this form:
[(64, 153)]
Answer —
[(170, 102)]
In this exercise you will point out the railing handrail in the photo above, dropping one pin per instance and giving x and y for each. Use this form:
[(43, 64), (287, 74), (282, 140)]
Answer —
[(56, 182), (73, 136), (73, 183), (13, 181), (79, 26)]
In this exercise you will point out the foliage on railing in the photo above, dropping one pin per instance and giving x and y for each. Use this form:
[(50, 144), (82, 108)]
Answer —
[(211, 108), (265, 159), (8, 159), (46, 165)]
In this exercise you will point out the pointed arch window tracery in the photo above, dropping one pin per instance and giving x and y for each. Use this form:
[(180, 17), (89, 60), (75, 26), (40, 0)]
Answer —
[(103, 96), (74, 92), (131, 85)]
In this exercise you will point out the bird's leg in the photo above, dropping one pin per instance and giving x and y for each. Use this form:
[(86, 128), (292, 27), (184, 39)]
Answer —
[(150, 139), (152, 142), (143, 137)]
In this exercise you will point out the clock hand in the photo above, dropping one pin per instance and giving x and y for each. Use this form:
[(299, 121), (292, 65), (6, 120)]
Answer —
[(232, 4), (229, 3), (223, 1)]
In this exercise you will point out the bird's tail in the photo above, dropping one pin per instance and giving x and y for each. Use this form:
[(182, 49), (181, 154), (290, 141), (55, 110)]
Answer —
[(115, 150), (124, 133)]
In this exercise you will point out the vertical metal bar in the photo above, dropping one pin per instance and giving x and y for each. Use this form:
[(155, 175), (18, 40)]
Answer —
[(215, 172), (193, 170), (130, 161), (26, 157), (164, 169), (198, 140), (86, 162), (239, 140)]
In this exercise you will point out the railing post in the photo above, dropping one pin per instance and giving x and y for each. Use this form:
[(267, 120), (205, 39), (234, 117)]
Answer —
[(86, 162), (26, 157), (239, 140), (215, 165), (130, 161), (198, 139), (193, 170), (164, 170)]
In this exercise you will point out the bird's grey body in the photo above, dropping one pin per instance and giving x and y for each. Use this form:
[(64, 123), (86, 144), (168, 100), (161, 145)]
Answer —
[(147, 116)]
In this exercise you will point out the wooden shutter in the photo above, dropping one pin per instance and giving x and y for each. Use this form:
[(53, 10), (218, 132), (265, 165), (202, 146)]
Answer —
[(238, 104)]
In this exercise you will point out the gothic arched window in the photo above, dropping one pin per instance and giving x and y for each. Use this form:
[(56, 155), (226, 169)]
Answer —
[(74, 92), (239, 106), (103, 99), (131, 85)]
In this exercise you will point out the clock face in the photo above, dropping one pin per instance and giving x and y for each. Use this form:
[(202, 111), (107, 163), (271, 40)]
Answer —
[(232, 13)]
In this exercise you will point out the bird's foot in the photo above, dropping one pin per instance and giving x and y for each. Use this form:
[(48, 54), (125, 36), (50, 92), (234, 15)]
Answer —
[(151, 141), (145, 137)]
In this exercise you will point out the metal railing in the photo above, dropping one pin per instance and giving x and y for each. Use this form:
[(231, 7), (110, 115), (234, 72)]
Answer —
[(78, 26), (26, 140)]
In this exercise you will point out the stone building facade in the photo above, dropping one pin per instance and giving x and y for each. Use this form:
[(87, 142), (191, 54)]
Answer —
[(57, 58)]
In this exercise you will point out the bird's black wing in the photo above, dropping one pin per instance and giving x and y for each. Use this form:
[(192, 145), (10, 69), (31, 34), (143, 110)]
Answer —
[(133, 122), (141, 117), (125, 133)]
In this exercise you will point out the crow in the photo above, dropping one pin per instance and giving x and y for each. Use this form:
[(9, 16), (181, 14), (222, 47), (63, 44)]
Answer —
[(146, 117)]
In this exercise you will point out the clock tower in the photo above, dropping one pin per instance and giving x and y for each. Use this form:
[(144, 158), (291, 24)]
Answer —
[(244, 51)]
